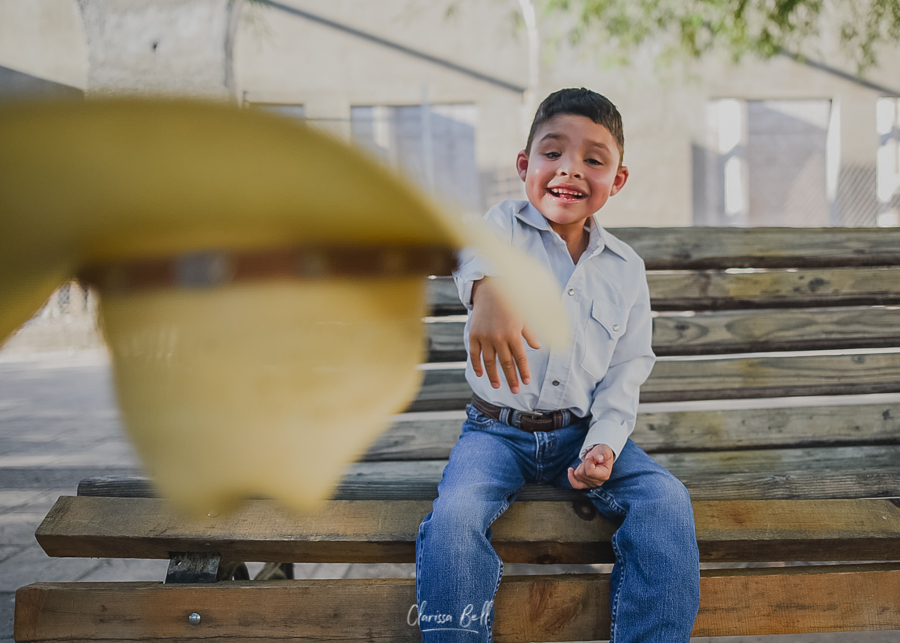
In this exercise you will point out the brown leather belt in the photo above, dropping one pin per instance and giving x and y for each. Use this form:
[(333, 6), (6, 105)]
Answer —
[(530, 422)]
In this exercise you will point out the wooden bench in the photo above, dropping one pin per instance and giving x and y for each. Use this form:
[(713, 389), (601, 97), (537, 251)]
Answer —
[(797, 499)]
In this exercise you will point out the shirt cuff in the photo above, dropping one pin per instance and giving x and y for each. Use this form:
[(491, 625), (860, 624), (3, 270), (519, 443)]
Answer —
[(465, 288), (605, 432), (474, 269)]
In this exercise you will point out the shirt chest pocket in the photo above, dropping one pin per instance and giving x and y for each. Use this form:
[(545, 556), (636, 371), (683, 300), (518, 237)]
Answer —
[(605, 325)]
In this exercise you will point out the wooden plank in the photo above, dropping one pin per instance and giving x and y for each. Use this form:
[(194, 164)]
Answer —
[(680, 248), (781, 376), (432, 438), (529, 532), (424, 438), (717, 290), (727, 332), (790, 427), (747, 474), (717, 379), (528, 608), (750, 331), (757, 474), (341, 531), (721, 290)]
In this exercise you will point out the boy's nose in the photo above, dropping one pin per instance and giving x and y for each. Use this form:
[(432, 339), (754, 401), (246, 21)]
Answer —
[(570, 170)]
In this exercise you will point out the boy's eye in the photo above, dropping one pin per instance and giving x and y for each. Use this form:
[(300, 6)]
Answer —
[(552, 155), (593, 161)]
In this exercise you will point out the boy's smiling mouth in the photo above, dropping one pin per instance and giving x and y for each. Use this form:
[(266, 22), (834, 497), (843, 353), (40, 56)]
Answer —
[(566, 193)]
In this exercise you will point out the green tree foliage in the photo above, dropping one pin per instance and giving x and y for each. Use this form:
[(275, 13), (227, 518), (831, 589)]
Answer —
[(740, 27)]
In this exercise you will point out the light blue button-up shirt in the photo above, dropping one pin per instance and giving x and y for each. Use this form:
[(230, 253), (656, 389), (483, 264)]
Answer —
[(608, 304)]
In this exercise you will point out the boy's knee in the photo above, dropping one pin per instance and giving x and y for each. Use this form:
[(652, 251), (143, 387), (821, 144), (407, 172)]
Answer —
[(675, 493), (459, 513), (669, 500)]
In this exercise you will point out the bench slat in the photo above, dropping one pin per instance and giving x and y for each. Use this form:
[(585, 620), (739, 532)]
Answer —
[(717, 379), (758, 474), (720, 290), (656, 432), (529, 532), (706, 290), (749, 331), (773, 474), (529, 608), (700, 247), (724, 332)]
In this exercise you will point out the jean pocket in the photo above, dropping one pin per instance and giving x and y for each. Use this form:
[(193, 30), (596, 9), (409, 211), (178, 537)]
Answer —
[(475, 419), (602, 331)]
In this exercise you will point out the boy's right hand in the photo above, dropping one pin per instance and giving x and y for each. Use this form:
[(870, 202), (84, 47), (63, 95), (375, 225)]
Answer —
[(495, 334)]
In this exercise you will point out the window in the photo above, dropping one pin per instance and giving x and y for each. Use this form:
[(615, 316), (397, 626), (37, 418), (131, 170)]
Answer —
[(887, 165), (433, 144)]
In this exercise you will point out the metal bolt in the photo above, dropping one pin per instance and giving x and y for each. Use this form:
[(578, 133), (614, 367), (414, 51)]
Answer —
[(194, 618)]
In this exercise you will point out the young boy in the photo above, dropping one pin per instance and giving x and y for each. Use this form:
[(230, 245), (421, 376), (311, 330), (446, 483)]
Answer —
[(564, 415)]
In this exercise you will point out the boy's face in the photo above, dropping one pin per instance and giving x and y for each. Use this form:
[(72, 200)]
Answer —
[(573, 168)]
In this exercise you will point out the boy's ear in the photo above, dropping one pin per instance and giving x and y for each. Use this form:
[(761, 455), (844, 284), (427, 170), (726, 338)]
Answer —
[(522, 164), (619, 181)]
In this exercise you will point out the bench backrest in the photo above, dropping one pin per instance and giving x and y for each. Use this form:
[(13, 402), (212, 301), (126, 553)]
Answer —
[(740, 314)]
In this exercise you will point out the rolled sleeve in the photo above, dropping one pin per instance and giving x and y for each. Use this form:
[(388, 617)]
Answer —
[(472, 266), (615, 401)]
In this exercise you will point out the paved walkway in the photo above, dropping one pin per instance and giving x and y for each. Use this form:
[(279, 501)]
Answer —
[(58, 424)]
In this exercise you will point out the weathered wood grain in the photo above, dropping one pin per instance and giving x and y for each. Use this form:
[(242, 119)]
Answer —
[(780, 376), (717, 379), (759, 474), (800, 426), (423, 438), (698, 247), (721, 290), (728, 332), (751, 474), (431, 438), (750, 331), (529, 532), (718, 290), (528, 608)]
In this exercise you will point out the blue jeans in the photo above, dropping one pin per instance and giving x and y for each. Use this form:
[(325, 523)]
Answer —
[(655, 583)]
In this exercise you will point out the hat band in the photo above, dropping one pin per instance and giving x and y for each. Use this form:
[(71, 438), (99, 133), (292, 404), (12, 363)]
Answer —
[(214, 268)]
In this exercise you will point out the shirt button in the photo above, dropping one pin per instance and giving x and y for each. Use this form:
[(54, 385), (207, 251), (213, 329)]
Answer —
[(571, 291), (615, 327), (555, 382)]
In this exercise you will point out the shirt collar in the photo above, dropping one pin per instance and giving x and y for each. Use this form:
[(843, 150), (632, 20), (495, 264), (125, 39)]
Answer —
[(611, 242), (529, 214)]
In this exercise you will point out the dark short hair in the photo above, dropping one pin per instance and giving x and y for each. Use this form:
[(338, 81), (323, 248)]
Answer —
[(581, 102)]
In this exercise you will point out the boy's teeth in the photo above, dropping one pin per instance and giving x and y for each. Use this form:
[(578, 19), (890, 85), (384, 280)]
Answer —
[(558, 192)]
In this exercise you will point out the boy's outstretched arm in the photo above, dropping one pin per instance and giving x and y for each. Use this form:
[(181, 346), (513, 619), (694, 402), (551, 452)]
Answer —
[(495, 335)]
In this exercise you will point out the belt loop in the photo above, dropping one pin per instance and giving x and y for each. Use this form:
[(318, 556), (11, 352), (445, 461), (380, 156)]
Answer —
[(504, 415)]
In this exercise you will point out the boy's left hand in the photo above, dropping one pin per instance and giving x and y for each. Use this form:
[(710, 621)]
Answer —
[(594, 470)]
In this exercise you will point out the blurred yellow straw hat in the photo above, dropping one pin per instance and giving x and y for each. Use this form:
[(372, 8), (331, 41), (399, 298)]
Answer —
[(261, 284)]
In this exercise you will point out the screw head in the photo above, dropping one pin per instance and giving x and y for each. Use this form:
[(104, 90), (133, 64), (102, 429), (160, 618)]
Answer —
[(194, 618)]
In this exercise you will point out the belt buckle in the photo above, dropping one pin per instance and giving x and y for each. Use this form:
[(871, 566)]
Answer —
[(516, 417), (533, 416)]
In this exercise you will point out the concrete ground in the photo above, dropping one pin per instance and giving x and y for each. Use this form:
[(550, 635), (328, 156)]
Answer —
[(58, 424)]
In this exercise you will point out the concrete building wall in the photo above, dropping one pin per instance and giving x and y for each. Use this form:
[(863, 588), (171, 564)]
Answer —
[(157, 47), (44, 38), (345, 53)]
